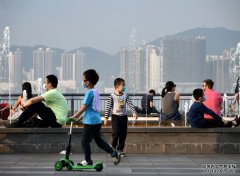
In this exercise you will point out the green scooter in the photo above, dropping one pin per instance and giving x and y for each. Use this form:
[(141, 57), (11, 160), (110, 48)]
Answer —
[(66, 162)]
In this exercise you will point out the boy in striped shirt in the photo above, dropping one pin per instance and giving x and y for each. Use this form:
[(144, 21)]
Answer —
[(117, 102)]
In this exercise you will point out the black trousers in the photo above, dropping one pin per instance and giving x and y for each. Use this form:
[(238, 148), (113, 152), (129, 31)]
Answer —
[(149, 111), (93, 132), (211, 123), (46, 114), (119, 134)]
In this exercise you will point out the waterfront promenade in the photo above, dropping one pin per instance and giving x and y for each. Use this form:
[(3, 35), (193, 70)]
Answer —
[(134, 164)]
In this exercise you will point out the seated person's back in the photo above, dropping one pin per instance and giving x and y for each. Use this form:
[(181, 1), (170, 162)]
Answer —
[(170, 102), (169, 106)]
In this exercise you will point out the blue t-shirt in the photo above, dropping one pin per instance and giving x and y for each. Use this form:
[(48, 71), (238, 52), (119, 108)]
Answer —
[(91, 116)]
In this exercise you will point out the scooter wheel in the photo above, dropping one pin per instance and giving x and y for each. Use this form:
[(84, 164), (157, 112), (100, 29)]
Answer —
[(59, 165), (68, 166), (99, 167)]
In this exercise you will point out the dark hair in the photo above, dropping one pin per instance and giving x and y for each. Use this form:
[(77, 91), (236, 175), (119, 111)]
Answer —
[(168, 87), (118, 82), (27, 86), (209, 83), (91, 76), (152, 91), (197, 93), (53, 80)]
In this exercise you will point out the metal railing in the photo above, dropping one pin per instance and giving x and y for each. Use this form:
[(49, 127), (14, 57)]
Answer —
[(75, 101)]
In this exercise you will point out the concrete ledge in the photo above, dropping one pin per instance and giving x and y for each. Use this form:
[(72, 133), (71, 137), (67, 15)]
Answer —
[(139, 140)]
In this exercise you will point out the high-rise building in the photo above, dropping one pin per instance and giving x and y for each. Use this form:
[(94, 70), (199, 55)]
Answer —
[(15, 68), (218, 70), (67, 66), (11, 65), (79, 62), (4, 53), (49, 62), (18, 65), (154, 63), (123, 63), (141, 68), (43, 63), (4, 70), (133, 68), (73, 65), (38, 64), (183, 59)]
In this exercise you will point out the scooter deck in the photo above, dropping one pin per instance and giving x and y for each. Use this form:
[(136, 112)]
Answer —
[(79, 167), (60, 164)]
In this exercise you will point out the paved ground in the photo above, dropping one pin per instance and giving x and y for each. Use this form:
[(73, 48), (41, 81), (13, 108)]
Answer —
[(137, 164)]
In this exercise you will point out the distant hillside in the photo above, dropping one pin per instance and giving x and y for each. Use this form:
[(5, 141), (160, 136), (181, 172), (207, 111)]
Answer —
[(217, 39)]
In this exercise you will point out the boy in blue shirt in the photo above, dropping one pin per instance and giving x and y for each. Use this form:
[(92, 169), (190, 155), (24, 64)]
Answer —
[(92, 120), (198, 109)]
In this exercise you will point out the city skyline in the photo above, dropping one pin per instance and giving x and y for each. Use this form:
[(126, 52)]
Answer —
[(146, 66), (143, 68), (107, 25), (182, 60)]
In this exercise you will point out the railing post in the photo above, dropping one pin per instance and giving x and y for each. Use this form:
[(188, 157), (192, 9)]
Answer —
[(72, 106)]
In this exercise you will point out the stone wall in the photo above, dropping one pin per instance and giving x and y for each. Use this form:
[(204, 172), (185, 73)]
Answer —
[(139, 140)]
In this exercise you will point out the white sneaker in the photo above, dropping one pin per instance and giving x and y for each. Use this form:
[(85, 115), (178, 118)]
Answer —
[(122, 154), (84, 163)]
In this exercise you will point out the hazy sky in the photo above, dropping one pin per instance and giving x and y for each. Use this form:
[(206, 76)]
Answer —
[(107, 24)]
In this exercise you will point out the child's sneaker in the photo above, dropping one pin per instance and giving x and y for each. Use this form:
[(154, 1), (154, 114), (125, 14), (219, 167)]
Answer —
[(85, 163), (122, 153), (116, 157)]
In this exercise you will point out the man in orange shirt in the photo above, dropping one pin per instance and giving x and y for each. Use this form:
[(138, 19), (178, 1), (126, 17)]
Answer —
[(213, 98)]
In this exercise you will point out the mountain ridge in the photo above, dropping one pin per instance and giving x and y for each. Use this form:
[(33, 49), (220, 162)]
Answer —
[(217, 40)]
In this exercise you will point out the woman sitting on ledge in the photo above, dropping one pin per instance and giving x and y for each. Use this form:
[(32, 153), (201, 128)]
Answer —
[(170, 102), (17, 109), (198, 109)]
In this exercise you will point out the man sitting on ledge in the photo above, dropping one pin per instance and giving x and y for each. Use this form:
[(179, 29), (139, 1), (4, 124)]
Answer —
[(147, 103), (53, 111), (198, 109)]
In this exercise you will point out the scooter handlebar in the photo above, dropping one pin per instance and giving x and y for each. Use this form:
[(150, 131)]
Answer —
[(70, 119)]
